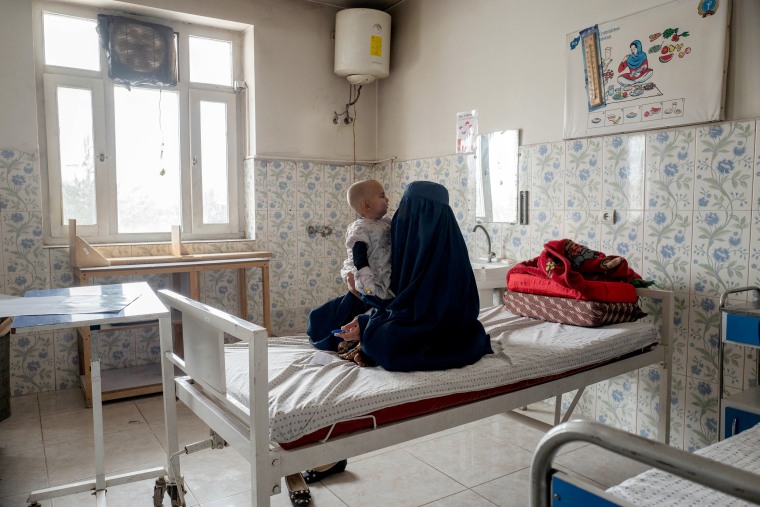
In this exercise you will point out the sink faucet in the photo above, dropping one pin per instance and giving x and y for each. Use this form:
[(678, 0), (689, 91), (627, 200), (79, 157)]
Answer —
[(490, 255)]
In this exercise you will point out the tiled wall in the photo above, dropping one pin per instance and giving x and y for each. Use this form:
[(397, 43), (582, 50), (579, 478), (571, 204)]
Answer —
[(687, 207)]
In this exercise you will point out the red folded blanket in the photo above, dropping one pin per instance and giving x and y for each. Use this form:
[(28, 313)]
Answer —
[(568, 269)]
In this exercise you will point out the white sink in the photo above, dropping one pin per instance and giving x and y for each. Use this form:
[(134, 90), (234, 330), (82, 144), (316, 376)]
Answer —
[(491, 275)]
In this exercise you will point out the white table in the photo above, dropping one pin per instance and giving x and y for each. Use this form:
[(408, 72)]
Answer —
[(146, 307)]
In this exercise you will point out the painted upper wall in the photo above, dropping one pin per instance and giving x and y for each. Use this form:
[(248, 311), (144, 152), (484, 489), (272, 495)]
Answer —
[(506, 59), (295, 92)]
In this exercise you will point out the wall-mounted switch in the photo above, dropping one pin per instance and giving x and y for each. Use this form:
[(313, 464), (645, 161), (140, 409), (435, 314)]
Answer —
[(607, 216)]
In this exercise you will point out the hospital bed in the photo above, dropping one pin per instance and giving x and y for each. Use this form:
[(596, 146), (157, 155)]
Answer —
[(287, 407), (725, 474)]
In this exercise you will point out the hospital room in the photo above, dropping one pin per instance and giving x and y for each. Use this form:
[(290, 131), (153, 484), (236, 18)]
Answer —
[(344, 253)]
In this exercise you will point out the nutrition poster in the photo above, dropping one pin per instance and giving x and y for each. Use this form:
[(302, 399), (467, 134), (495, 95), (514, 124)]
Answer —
[(661, 67)]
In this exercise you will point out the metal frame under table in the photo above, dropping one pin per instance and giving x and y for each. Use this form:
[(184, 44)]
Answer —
[(146, 307)]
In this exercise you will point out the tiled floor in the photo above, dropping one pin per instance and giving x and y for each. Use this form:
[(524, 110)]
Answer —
[(47, 441)]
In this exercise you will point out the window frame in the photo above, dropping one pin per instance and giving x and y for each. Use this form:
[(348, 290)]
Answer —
[(104, 136)]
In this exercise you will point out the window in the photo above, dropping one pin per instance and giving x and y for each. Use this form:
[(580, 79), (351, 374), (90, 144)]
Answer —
[(129, 163)]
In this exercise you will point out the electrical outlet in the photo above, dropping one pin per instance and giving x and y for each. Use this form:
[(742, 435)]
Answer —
[(607, 216)]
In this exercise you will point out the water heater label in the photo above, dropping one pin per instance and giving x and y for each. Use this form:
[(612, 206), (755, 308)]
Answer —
[(376, 45)]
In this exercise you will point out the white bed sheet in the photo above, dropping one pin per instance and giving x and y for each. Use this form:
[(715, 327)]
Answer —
[(304, 396), (655, 487)]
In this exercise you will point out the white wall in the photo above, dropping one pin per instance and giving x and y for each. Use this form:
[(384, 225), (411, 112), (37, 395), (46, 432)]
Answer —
[(506, 59), (296, 91), (18, 125)]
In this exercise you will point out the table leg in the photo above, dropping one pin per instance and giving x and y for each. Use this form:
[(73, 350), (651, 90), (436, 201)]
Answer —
[(243, 294), (265, 295), (84, 334)]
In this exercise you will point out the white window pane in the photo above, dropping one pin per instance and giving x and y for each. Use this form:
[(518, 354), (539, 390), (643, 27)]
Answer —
[(77, 155), (210, 61), (214, 163), (71, 42), (147, 183)]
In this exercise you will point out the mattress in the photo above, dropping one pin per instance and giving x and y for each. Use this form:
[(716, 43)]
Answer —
[(593, 290), (655, 487), (311, 390)]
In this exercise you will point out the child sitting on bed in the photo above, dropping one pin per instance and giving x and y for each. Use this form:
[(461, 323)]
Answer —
[(368, 243), (366, 271), (368, 252)]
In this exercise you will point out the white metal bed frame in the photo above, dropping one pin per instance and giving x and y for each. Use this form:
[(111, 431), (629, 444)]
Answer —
[(548, 486), (203, 390)]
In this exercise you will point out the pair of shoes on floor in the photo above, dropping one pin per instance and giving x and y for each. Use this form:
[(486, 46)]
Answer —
[(298, 490), (319, 473)]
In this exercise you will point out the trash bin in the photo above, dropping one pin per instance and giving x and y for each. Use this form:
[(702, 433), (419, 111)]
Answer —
[(5, 369)]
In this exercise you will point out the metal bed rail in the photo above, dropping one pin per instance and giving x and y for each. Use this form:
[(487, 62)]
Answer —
[(693, 467)]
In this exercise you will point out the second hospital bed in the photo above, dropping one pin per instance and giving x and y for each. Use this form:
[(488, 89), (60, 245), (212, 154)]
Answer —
[(287, 407)]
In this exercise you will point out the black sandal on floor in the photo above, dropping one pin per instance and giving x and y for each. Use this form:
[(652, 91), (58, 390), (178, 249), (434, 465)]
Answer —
[(298, 490), (319, 473)]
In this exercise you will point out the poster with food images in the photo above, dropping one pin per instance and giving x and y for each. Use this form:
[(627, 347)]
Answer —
[(661, 67)]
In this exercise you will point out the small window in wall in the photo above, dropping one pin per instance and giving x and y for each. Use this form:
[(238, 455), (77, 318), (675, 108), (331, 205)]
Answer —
[(128, 161)]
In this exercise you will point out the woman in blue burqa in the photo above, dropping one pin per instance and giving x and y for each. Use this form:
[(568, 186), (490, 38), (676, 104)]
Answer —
[(637, 64), (432, 323)]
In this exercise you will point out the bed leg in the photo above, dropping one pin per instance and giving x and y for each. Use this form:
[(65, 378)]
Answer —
[(557, 409)]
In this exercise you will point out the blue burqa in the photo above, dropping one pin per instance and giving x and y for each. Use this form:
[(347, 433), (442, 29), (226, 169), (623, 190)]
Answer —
[(432, 323)]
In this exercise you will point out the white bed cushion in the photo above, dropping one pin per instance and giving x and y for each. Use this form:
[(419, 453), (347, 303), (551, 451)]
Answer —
[(305, 396), (655, 487)]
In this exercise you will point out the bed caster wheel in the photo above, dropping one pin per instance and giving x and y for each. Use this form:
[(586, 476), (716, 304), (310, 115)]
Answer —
[(158, 492), (177, 496)]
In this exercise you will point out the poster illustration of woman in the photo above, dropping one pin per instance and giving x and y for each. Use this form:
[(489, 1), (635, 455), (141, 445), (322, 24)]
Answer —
[(637, 65)]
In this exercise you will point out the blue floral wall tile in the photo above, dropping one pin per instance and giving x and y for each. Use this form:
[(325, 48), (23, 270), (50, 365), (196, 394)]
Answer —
[(283, 234), (649, 406), (311, 245), (19, 181), (310, 283), (220, 290), (310, 181), (586, 406), (701, 427), (283, 283), (616, 401), (260, 185), (677, 410), (23, 250), (582, 227), (19, 284), (583, 174), (724, 171), (282, 186), (337, 180), (62, 280), (516, 242), (548, 177), (148, 345), (679, 341), (116, 349), (66, 359), (546, 225), (262, 230), (339, 220), (733, 366), (625, 238), (623, 174), (332, 284), (401, 177), (667, 249), (670, 170), (704, 323), (255, 295), (720, 251), (32, 363)]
